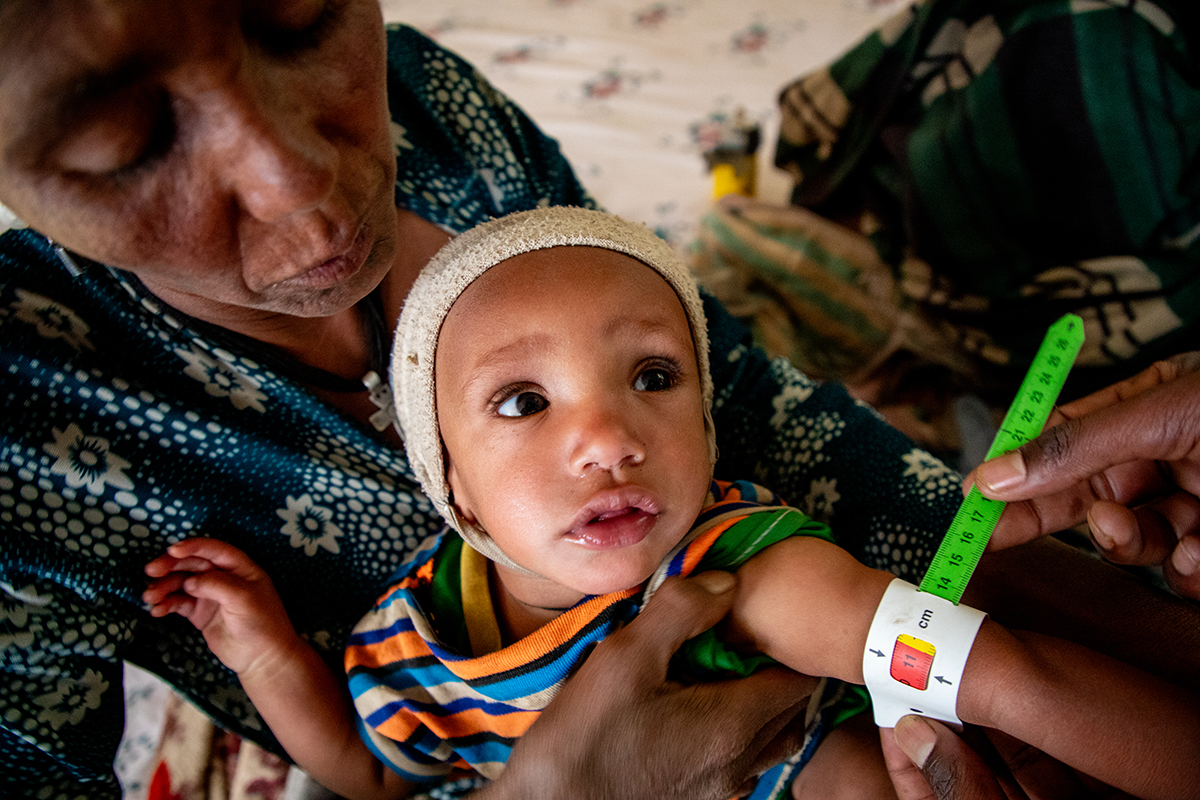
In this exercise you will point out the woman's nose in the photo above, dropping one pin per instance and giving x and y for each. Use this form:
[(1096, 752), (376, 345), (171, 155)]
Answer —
[(605, 439), (276, 161)]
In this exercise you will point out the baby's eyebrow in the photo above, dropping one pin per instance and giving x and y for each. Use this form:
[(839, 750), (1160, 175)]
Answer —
[(513, 353), (621, 323)]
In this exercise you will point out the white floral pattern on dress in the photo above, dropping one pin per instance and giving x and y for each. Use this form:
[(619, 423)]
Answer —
[(309, 525), (935, 479), (398, 137), (86, 461), (71, 700), (222, 380), (924, 466), (53, 320), (792, 394), (821, 498)]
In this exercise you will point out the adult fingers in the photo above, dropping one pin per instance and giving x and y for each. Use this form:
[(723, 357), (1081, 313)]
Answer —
[(1165, 532), (1161, 372), (1158, 424), (693, 741), (682, 609), (775, 729), (904, 763), (678, 611), (1145, 535), (934, 764), (1182, 571)]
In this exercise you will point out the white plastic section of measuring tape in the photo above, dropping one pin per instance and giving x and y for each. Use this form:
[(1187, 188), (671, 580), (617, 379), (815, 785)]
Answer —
[(916, 651)]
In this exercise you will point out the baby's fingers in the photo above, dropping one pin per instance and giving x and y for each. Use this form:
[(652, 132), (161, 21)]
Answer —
[(159, 588), (215, 553), (165, 565), (179, 604)]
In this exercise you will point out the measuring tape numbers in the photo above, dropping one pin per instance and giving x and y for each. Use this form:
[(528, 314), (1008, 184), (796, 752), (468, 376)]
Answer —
[(964, 543), (920, 637)]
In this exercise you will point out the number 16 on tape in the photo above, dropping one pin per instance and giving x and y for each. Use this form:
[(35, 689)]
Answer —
[(963, 545)]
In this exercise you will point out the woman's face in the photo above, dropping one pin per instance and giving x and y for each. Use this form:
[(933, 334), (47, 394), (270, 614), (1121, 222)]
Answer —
[(228, 152)]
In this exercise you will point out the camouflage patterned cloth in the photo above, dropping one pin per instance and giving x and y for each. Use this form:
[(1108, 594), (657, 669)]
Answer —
[(1007, 162)]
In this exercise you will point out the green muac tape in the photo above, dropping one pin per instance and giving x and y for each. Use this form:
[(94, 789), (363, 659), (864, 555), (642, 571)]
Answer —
[(961, 549)]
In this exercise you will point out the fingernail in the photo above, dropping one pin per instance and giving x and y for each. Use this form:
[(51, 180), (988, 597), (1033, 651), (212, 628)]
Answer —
[(915, 738), (1002, 472), (1186, 557), (716, 582), (1104, 542)]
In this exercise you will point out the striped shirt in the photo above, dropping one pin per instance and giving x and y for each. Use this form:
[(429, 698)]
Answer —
[(428, 705)]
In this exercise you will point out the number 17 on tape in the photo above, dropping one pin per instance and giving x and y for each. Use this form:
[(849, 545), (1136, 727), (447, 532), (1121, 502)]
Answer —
[(963, 545)]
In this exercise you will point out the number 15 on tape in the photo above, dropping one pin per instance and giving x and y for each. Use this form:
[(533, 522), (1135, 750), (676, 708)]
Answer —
[(963, 545)]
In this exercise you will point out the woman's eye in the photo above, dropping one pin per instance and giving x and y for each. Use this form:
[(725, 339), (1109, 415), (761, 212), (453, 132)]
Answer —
[(653, 380), (291, 26), (522, 404), (133, 131)]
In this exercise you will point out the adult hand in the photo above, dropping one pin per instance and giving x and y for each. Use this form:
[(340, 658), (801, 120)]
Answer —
[(620, 729), (1127, 458), (927, 761)]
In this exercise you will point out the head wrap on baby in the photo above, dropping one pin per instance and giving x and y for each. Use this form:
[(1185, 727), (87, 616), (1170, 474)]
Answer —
[(448, 275)]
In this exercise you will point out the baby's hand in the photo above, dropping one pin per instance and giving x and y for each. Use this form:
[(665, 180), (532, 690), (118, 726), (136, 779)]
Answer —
[(226, 596)]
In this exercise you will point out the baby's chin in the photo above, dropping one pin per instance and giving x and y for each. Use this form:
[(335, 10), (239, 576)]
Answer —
[(630, 574)]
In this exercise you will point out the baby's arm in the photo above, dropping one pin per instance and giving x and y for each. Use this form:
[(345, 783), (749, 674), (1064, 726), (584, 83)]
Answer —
[(809, 604), (232, 601)]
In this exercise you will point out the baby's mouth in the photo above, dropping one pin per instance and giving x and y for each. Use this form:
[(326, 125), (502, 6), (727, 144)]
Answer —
[(614, 529)]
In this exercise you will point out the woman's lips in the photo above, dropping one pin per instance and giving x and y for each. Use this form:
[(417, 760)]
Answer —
[(334, 270)]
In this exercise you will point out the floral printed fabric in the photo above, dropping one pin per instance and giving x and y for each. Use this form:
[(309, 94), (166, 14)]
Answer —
[(636, 90), (126, 429)]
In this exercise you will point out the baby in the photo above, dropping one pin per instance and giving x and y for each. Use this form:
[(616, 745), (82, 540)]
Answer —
[(551, 378)]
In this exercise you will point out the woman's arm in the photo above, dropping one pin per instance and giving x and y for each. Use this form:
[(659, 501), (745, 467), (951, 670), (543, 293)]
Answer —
[(809, 605), (232, 601)]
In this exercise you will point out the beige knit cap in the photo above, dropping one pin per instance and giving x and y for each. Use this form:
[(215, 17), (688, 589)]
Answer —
[(448, 275)]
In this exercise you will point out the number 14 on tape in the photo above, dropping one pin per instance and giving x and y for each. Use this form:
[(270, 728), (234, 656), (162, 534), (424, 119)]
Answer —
[(963, 545)]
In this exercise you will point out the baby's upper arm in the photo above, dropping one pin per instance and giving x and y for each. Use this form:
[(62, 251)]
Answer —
[(808, 604)]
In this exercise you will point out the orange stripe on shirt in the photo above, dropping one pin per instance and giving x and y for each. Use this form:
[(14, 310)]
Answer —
[(699, 547), (395, 648), (529, 649), (468, 722)]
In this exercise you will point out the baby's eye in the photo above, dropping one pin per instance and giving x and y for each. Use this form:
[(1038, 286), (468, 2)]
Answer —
[(655, 379), (522, 404)]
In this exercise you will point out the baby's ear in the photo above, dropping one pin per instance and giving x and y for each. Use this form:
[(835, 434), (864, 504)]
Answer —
[(460, 498)]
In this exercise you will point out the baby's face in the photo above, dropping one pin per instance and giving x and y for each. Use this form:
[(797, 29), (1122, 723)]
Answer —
[(569, 402)]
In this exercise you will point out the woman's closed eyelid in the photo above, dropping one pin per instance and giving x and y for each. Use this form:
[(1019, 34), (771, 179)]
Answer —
[(113, 144), (303, 25)]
